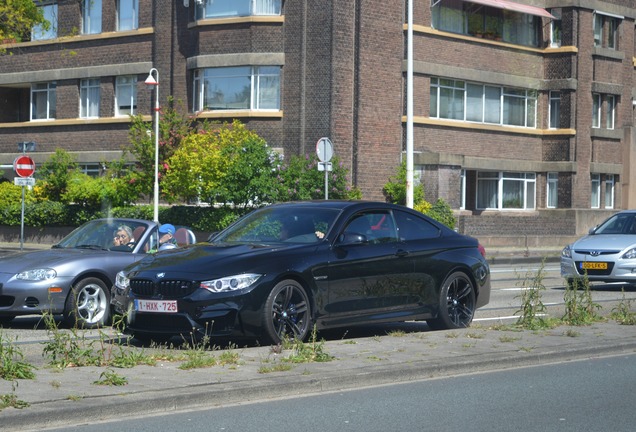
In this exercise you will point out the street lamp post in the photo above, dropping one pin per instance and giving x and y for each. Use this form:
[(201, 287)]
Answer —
[(151, 81)]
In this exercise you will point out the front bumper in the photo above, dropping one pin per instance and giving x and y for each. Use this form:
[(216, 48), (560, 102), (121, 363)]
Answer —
[(618, 270), (26, 297)]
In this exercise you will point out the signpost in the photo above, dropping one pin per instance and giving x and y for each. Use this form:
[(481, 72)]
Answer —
[(324, 151), (24, 167)]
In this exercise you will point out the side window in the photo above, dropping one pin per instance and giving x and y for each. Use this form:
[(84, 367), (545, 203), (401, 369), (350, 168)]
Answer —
[(411, 227), (378, 227)]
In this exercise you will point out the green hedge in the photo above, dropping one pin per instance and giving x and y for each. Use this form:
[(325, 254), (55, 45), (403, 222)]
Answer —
[(49, 213)]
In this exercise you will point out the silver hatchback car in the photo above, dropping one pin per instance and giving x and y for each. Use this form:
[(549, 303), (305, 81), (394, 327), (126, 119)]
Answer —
[(606, 254)]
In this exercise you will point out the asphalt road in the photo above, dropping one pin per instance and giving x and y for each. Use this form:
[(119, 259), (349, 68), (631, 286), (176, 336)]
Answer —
[(580, 396)]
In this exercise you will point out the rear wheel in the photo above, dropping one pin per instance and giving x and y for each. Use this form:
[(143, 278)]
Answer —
[(456, 303), (287, 314), (88, 305)]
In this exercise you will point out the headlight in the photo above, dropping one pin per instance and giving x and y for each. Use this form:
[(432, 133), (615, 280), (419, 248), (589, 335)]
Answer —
[(630, 254), (37, 274), (566, 252), (121, 280), (230, 283)]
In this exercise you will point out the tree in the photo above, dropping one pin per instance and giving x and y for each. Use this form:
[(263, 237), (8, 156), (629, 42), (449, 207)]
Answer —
[(17, 19), (173, 128), (56, 174), (301, 180), (223, 163)]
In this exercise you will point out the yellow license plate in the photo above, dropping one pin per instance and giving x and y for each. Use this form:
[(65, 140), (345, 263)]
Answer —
[(594, 265)]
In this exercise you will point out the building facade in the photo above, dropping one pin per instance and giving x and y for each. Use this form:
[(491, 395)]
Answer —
[(522, 111)]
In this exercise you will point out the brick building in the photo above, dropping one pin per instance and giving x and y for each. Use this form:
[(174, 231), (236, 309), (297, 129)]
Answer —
[(522, 113)]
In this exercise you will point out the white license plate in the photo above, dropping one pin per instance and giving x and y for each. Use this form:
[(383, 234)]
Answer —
[(156, 306)]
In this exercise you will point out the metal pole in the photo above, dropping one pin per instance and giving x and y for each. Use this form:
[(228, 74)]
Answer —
[(22, 222), (155, 82), (326, 181), (409, 108)]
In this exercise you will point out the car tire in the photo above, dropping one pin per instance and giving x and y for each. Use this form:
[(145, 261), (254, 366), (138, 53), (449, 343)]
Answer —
[(88, 304), (456, 303), (287, 313)]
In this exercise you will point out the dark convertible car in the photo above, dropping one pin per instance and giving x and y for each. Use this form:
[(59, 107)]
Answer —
[(282, 269)]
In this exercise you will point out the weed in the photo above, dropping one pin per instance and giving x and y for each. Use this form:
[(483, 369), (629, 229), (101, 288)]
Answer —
[(451, 335), (507, 339), (56, 384), (73, 397), (397, 333), (532, 310), (350, 342), (309, 352), (572, 333), (128, 358), (623, 313), (111, 378), (229, 358), (198, 359), (13, 367), (475, 336), (580, 309), (66, 349), (11, 400), (280, 367)]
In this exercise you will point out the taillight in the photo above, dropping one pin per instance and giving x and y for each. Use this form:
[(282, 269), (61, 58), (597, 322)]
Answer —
[(482, 250)]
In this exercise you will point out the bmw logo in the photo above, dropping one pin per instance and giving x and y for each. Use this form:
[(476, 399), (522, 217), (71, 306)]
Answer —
[(161, 275)]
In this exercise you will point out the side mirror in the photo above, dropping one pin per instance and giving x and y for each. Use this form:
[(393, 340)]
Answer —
[(592, 230), (346, 239)]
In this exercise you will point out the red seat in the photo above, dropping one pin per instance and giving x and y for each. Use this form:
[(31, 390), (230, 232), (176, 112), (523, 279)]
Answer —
[(184, 237)]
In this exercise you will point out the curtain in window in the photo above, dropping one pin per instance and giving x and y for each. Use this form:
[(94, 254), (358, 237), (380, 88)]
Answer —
[(267, 7), (487, 190), (474, 103), (448, 15)]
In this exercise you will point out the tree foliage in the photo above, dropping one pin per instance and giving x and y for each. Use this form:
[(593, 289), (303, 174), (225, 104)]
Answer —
[(174, 127), (18, 17), (56, 173), (301, 180)]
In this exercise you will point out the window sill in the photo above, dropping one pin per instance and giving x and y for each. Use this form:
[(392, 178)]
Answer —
[(80, 38), (469, 38), (239, 114), (70, 122), (274, 19), (482, 126), (616, 134)]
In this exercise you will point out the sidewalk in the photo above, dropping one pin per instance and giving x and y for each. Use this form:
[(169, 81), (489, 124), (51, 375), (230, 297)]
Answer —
[(408, 352)]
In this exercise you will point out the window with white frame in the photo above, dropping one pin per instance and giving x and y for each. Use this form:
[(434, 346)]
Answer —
[(555, 28), (127, 15), (91, 169), (230, 8), (126, 95), (237, 88), (554, 109), (596, 110), (609, 191), (552, 193), (610, 104), (49, 11), (486, 22), (89, 98), (596, 190), (606, 30), (92, 17), (43, 101), (481, 103), (506, 190)]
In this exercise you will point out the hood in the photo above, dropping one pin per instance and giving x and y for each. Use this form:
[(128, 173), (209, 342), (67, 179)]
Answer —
[(49, 258), (204, 260), (617, 242)]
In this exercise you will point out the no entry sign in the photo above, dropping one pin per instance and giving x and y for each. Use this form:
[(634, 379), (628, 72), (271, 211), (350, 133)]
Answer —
[(24, 166)]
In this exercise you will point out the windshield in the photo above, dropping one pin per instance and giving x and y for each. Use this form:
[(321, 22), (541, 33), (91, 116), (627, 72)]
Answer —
[(281, 224), (621, 223), (111, 234)]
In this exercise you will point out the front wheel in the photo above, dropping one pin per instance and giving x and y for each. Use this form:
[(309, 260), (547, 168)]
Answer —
[(287, 313), (456, 303), (88, 305)]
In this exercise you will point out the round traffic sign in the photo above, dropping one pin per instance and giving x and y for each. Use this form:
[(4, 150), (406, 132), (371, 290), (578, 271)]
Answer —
[(324, 149), (24, 166)]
